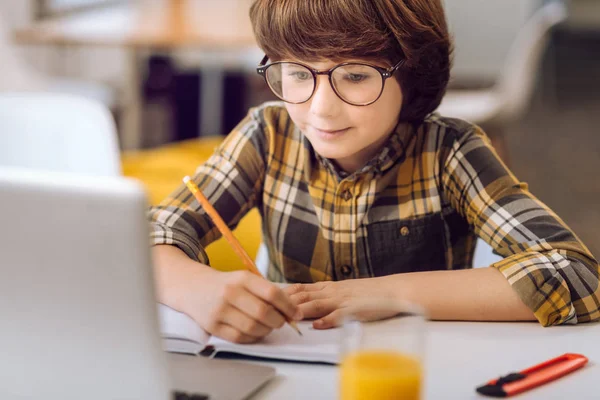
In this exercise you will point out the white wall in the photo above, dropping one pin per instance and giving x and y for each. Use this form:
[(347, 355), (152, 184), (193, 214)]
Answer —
[(585, 14), (16, 13), (483, 31), (105, 65)]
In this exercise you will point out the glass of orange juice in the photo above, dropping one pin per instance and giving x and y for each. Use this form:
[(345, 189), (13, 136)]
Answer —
[(383, 359)]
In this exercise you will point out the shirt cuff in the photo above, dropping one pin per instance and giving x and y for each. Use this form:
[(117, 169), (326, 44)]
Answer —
[(163, 235), (540, 287)]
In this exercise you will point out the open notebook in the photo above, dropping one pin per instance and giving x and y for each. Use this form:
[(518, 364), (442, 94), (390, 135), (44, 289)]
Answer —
[(181, 334)]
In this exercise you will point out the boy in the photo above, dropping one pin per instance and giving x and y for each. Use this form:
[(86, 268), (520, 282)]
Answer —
[(363, 192)]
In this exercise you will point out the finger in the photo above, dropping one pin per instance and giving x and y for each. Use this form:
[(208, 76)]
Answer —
[(293, 289), (244, 323), (331, 320), (273, 296), (305, 297), (255, 307), (305, 287), (231, 334), (317, 308)]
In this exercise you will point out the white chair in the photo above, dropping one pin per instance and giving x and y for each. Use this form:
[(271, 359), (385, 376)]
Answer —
[(484, 255), (57, 132), (262, 259), (508, 99)]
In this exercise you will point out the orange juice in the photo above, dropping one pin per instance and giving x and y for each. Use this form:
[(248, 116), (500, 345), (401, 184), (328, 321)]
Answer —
[(380, 375)]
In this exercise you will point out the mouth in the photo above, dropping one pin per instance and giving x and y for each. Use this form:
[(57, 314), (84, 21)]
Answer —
[(330, 133)]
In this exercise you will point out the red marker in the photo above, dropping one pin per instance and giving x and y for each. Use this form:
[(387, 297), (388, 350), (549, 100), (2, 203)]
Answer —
[(518, 382)]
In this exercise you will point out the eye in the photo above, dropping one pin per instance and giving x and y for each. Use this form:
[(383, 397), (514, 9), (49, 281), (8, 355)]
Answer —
[(300, 75), (356, 78)]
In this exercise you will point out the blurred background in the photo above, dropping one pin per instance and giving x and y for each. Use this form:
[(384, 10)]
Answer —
[(177, 75)]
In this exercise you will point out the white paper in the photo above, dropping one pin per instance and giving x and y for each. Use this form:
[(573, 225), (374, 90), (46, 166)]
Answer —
[(180, 333), (285, 343)]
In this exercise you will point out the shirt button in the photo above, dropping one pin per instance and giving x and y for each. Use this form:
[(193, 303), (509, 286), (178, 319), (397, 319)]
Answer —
[(347, 194), (346, 270), (404, 231)]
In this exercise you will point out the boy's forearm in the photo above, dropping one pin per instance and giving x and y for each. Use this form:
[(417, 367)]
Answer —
[(480, 294), (174, 271)]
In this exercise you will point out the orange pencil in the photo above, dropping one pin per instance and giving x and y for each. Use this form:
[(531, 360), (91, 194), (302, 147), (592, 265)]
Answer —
[(222, 226)]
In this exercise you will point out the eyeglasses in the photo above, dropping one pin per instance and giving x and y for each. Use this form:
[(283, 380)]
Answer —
[(357, 84)]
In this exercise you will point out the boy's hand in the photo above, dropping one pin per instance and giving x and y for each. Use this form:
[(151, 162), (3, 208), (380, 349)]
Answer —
[(329, 301), (238, 306)]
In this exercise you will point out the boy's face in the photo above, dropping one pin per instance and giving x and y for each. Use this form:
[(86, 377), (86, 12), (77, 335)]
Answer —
[(349, 135)]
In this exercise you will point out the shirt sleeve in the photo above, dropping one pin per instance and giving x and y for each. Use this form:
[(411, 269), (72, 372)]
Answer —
[(551, 270), (231, 179)]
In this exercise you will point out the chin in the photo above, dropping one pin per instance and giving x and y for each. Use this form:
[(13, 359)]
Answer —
[(327, 150)]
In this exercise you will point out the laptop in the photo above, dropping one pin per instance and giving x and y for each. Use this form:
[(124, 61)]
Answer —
[(79, 314)]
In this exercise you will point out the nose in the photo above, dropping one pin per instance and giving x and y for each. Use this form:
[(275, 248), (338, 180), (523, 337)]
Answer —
[(324, 101)]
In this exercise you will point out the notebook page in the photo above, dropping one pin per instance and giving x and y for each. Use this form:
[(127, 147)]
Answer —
[(285, 344), (180, 333)]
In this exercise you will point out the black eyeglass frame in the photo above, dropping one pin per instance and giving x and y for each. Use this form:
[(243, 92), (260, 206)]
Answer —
[(385, 74)]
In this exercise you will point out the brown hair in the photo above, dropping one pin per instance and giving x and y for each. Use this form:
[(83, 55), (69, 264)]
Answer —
[(391, 30)]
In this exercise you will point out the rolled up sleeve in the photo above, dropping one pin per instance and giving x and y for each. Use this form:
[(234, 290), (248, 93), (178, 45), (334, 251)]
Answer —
[(550, 269)]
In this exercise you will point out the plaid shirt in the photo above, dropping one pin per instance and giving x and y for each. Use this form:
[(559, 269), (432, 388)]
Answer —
[(419, 205)]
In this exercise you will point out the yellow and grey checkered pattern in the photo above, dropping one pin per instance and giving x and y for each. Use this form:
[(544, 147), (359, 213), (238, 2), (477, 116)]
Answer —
[(418, 205)]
